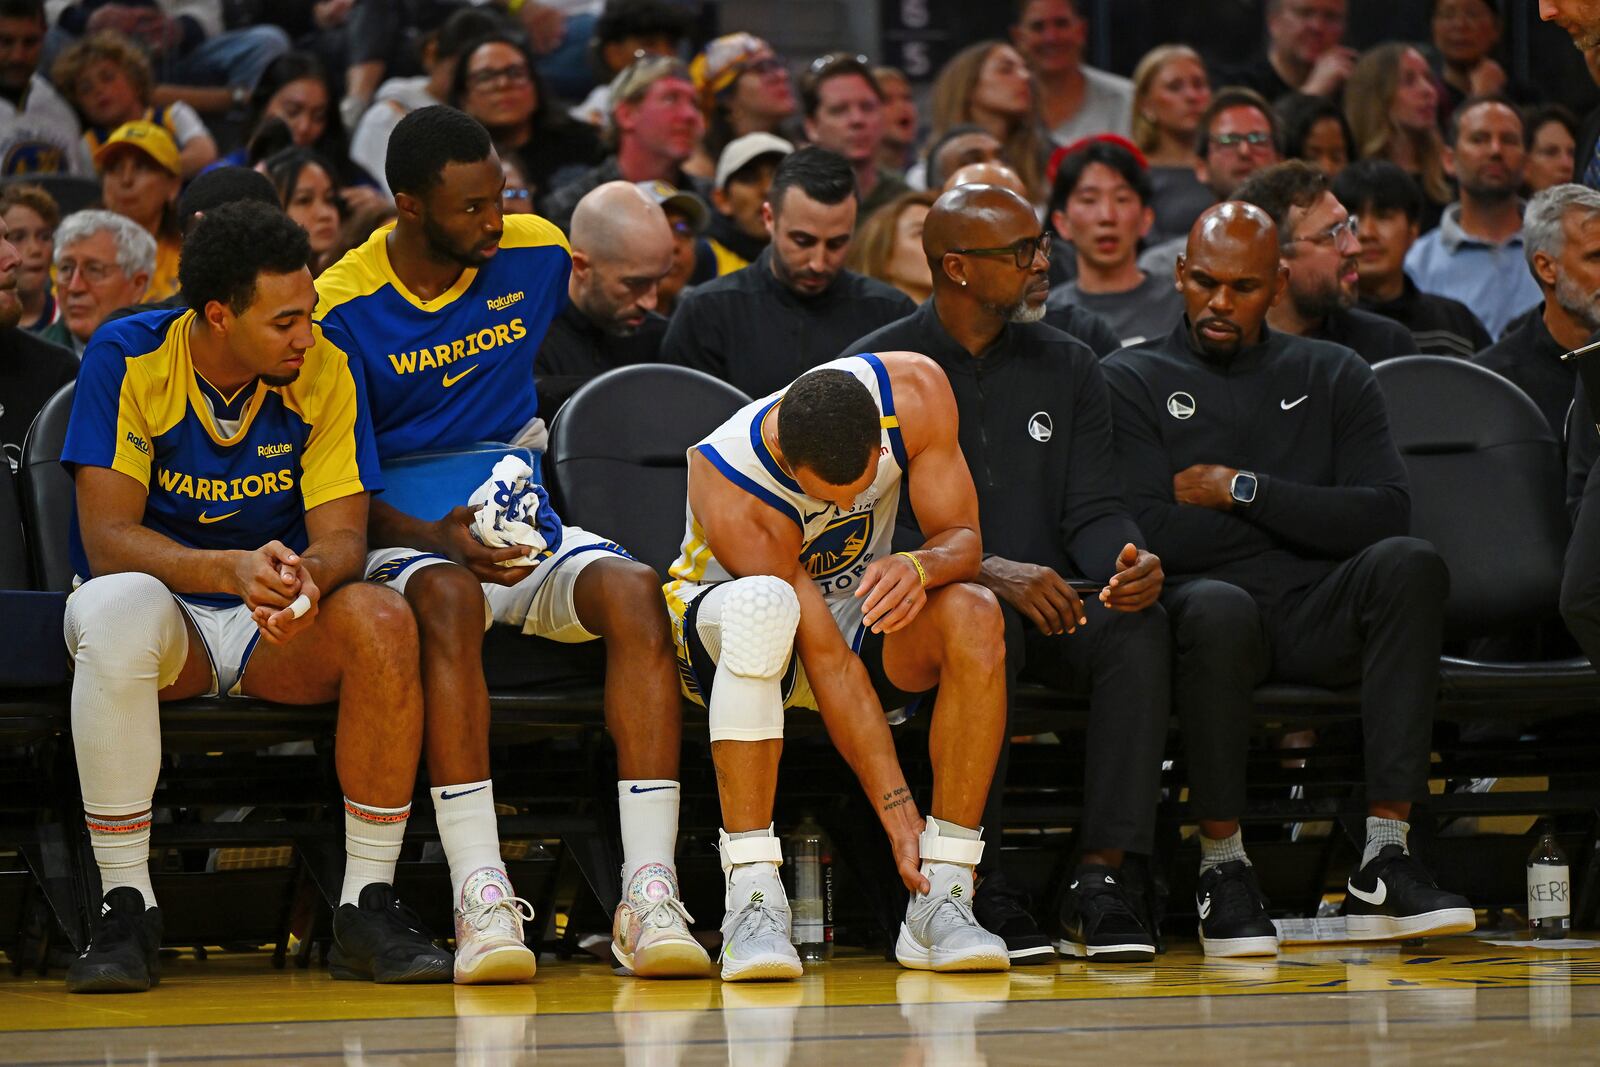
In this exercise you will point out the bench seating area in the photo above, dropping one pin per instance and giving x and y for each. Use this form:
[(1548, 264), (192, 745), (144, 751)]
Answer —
[(1487, 490)]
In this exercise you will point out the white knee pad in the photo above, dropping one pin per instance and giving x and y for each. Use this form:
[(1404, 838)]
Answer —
[(749, 630), (128, 626)]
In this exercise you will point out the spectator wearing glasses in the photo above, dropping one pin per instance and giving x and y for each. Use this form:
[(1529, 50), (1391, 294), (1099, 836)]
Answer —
[(843, 106), (1476, 254), (516, 198), (1293, 565), (1304, 53), (1393, 107), (496, 83), (796, 306), (104, 261), (1562, 233), (1035, 430), (1389, 205), (657, 125), (1321, 252), (622, 248), (988, 85), (744, 88), (1238, 135), (736, 231), (1075, 100), (31, 216), (1104, 196), (1171, 92), (693, 260)]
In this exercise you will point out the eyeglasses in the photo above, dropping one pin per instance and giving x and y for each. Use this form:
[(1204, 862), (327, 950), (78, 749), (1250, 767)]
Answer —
[(515, 194), (1236, 141), (1331, 235), (93, 273), (516, 74), (1022, 252), (765, 65), (681, 227)]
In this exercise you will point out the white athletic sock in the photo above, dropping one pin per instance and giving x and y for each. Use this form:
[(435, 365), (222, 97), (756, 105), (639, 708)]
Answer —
[(1382, 832), (1215, 851), (372, 838), (649, 811), (122, 852), (467, 830)]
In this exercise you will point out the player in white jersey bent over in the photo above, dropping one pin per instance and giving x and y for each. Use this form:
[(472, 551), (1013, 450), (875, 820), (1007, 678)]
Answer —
[(792, 506)]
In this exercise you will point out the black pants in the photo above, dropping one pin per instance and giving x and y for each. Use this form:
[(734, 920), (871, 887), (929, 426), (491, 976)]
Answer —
[(1376, 619), (1580, 585), (1123, 662)]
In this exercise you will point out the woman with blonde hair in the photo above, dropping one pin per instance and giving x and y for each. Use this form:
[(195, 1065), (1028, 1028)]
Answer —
[(1170, 92), (988, 85), (1392, 102), (888, 246)]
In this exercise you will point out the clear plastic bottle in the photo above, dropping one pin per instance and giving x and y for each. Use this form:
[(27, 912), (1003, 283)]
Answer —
[(811, 896), (1549, 888)]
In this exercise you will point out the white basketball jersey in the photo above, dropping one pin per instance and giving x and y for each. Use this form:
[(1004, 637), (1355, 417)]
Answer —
[(836, 545)]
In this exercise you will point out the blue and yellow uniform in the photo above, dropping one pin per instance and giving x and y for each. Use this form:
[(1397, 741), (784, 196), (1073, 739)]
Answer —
[(222, 472), (448, 372)]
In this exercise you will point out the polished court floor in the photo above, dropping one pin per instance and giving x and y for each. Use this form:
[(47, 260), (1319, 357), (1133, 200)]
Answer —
[(1459, 1000)]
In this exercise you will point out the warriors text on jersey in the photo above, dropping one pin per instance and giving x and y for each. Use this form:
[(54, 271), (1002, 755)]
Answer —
[(457, 369), (222, 472), (836, 545)]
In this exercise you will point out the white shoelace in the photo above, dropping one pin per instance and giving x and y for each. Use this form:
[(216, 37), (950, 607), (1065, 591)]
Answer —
[(660, 913), (754, 917), (516, 910)]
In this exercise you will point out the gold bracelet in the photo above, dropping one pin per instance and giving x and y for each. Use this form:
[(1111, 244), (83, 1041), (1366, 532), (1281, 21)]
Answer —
[(917, 563)]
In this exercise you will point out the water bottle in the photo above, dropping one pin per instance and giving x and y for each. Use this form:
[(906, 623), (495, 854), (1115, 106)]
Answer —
[(1549, 888), (811, 898)]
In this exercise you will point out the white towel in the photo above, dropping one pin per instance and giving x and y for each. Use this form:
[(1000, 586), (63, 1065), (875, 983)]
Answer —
[(510, 511)]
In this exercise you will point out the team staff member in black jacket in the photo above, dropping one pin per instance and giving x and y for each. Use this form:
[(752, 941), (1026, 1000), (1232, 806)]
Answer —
[(795, 307), (1261, 467), (1035, 428)]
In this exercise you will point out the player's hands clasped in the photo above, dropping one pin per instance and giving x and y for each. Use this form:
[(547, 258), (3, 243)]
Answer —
[(453, 537), (269, 581), (894, 592)]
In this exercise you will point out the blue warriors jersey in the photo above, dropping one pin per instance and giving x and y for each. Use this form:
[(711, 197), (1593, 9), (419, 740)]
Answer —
[(458, 369), (142, 409)]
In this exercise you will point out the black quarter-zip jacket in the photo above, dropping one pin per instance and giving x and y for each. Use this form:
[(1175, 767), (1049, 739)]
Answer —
[(1306, 416), (1035, 428)]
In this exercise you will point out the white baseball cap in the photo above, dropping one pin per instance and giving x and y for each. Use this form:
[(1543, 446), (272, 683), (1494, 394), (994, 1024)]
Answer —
[(742, 151)]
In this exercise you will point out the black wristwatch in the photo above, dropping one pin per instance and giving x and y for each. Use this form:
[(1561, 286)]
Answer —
[(1243, 488)]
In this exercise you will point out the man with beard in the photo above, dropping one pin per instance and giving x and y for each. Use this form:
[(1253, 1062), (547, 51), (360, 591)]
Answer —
[(39, 132), (1035, 429), (1304, 51), (442, 312), (1580, 18), (1261, 469), (1320, 250), (621, 249), (1476, 254), (1561, 232), (796, 306)]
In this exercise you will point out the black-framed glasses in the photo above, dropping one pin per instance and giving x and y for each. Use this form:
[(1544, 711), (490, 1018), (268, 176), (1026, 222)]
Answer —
[(516, 74), (1254, 139), (1021, 252), (515, 194), (1331, 235)]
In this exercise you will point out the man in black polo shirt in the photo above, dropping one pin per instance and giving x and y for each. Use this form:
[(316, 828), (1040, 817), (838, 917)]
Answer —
[(31, 370), (1035, 428), (1388, 202), (1320, 249), (796, 306), (1561, 238), (621, 249), (1261, 468)]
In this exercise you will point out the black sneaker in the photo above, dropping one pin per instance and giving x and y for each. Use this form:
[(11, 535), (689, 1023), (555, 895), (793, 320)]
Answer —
[(1003, 911), (1100, 922), (123, 954), (1394, 897), (1233, 913), (382, 940)]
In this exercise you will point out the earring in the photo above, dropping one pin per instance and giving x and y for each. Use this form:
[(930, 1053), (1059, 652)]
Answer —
[(963, 283)]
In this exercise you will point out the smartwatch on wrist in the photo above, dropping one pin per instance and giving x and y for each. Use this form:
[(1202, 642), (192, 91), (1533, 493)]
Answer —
[(1243, 488)]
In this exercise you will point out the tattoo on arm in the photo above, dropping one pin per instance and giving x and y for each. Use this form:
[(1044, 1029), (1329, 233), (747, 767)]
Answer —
[(898, 798)]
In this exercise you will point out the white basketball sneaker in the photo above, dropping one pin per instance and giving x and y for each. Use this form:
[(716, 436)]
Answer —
[(940, 933), (755, 927), (489, 918), (650, 934)]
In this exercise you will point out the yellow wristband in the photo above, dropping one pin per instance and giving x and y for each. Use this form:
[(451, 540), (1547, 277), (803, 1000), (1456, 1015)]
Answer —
[(917, 563), (514, 6)]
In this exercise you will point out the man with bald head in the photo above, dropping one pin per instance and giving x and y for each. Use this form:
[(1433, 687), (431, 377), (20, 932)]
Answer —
[(621, 249), (989, 172), (1261, 467), (1078, 591)]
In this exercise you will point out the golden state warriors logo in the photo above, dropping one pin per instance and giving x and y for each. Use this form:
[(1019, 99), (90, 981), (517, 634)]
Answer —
[(838, 555)]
